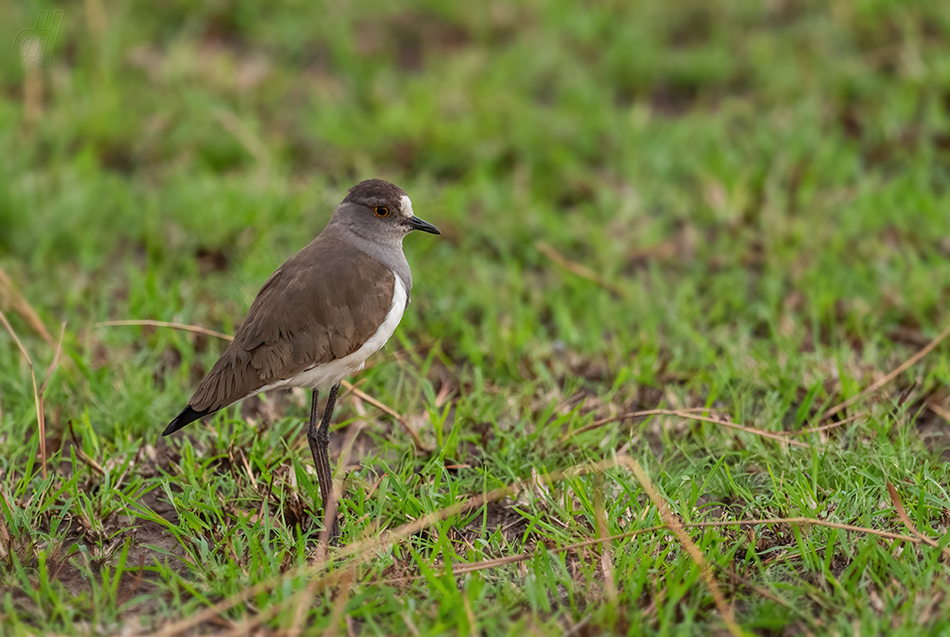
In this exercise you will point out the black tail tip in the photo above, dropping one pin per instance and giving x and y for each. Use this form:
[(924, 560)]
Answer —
[(187, 416)]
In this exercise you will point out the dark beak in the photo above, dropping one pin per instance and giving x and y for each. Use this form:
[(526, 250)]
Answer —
[(418, 224)]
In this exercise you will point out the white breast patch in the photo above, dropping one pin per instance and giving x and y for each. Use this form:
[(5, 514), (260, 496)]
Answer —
[(326, 375)]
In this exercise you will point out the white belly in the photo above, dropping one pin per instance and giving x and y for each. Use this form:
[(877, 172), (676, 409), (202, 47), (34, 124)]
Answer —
[(326, 375)]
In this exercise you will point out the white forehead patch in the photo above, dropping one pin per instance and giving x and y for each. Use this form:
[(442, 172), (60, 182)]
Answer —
[(407, 205)]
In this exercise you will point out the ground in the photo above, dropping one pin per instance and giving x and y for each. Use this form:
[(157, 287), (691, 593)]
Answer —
[(731, 215)]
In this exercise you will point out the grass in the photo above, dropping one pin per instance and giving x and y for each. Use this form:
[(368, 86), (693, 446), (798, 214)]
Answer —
[(738, 206)]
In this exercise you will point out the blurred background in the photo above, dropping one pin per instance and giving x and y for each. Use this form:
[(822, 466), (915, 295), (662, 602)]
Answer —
[(652, 204), (737, 180)]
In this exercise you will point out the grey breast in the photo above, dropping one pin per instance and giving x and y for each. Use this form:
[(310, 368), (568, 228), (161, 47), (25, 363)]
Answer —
[(321, 305)]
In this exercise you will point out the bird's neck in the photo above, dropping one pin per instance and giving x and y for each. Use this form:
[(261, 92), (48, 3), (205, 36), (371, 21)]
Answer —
[(386, 250)]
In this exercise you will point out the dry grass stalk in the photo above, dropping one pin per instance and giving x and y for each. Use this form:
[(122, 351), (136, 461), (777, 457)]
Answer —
[(828, 427), (606, 553), (902, 514), (95, 466), (304, 601), (682, 413), (38, 391), (910, 362), (677, 528), (32, 91), (196, 329), (469, 615), (403, 422), (339, 604), (943, 412), (579, 269), (11, 299)]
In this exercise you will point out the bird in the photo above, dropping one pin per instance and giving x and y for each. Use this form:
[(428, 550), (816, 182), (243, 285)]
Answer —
[(319, 316)]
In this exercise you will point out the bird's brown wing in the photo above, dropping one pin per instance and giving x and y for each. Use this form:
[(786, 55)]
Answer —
[(321, 305)]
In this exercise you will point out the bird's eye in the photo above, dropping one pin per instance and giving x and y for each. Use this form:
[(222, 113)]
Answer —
[(382, 211)]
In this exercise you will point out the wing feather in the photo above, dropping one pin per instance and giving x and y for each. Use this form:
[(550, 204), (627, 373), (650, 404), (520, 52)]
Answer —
[(321, 305)]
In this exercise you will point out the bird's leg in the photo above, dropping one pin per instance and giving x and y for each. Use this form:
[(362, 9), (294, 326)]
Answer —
[(319, 439)]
